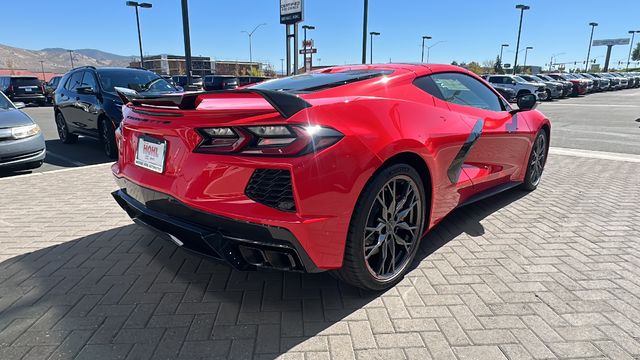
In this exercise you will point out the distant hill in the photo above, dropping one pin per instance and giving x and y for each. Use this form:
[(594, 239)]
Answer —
[(57, 59)]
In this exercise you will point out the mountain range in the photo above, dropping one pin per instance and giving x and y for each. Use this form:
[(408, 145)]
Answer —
[(57, 60)]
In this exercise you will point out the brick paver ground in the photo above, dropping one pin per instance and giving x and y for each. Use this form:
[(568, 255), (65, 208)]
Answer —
[(549, 274)]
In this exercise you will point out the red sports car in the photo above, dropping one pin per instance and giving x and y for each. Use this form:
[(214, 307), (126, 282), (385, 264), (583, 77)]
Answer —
[(342, 169)]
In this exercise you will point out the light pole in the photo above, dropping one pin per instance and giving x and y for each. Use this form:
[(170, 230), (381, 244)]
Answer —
[(282, 67), (250, 35), (593, 26), (522, 9), (364, 31), (526, 50), (633, 33), (551, 60), (502, 48), (187, 40), (423, 39), (137, 5), (429, 49), (42, 65), (371, 49), (304, 46), (71, 57)]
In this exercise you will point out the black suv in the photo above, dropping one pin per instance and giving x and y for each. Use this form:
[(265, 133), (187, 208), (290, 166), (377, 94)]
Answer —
[(220, 82), (87, 104), (50, 88), (26, 89)]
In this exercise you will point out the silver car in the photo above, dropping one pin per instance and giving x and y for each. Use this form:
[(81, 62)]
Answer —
[(22, 144)]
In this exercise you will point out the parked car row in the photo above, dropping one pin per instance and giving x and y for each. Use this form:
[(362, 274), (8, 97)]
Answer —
[(560, 85)]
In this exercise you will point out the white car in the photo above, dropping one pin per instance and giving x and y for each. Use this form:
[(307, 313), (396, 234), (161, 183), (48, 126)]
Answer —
[(519, 85)]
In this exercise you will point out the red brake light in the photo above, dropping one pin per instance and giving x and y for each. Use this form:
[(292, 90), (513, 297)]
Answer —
[(270, 140)]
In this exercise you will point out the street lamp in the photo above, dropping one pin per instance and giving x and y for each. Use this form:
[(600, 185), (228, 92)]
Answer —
[(423, 39), (429, 49), (593, 26), (502, 48), (633, 33), (44, 79), (522, 9), (371, 48), (304, 46), (526, 50), (250, 35), (364, 31), (137, 5)]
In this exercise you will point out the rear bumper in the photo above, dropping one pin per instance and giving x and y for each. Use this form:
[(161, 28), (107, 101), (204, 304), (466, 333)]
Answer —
[(28, 98), (244, 245)]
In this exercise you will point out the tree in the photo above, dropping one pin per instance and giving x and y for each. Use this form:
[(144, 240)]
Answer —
[(635, 56), (474, 67), (497, 66), (487, 66), (454, 63)]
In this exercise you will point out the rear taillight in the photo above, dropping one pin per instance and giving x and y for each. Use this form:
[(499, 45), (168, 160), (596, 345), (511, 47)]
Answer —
[(270, 140)]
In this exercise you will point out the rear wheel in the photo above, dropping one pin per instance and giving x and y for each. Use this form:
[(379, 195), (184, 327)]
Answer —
[(537, 160), (548, 95), (385, 229), (108, 139), (63, 130)]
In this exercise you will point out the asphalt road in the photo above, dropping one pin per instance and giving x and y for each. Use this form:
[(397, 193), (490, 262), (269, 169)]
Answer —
[(603, 121), (608, 121)]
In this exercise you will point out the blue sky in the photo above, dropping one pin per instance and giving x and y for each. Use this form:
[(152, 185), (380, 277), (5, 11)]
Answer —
[(471, 30)]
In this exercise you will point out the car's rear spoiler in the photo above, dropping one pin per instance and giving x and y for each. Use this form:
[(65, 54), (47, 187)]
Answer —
[(285, 103)]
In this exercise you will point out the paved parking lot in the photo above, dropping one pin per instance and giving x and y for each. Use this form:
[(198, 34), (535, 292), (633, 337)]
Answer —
[(541, 275)]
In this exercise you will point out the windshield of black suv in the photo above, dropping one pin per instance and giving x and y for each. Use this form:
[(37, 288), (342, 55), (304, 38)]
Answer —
[(4, 103), (319, 81), (138, 80)]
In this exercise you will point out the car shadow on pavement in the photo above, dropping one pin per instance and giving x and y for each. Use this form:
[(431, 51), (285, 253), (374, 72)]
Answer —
[(126, 292), (86, 151)]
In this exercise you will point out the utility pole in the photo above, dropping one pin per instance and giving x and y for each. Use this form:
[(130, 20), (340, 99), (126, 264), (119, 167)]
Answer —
[(371, 50), (524, 67), (71, 57), (250, 35), (187, 39), (364, 31), (633, 33), (522, 9), (42, 66)]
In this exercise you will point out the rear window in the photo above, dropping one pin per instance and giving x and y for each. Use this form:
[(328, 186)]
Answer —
[(319, 81), (26, 82)]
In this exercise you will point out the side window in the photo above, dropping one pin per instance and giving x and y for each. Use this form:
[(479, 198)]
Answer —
[(496, 80), (461, 89), (427, 85), (74, 81), (89, 80)]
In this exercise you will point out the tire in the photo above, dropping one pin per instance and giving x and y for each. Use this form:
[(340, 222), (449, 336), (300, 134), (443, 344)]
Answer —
[(536, 161), (369, 217), (523, 92), (549, 98), (63, 130), (108, 139)]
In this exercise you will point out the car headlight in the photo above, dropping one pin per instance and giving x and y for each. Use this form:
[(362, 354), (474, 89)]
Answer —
[(26, 131)]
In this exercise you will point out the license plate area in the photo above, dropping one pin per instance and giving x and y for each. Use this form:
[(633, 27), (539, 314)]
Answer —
[(150, 153)]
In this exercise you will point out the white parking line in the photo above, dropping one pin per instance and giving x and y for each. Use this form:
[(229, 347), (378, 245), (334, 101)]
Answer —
[(595, 154), (591, 105), (56, 171)]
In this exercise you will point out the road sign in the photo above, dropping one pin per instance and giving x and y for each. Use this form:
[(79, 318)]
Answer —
[(506, 66), (291, 11), (308, 51), (608, 42), (307, 43)]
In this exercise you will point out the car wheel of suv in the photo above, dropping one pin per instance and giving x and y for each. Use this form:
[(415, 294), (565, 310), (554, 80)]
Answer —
[(537, 160), (108, 139), (548, 95), (63, 130), (385, 229), (523, 92)]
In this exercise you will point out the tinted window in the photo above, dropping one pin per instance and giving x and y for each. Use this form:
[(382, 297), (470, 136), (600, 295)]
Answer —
[(138, 80), (464, 90), (319, 81), (4, 103), (88, 80), (497, 79), (74, 81), (26, 82)]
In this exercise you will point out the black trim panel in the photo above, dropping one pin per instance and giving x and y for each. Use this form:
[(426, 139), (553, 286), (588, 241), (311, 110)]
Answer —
[(456, 165), (206, 233)]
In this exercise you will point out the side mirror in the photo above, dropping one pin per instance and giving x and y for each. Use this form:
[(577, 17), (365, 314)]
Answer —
[(85, 90), (526, 102), (19, 105)]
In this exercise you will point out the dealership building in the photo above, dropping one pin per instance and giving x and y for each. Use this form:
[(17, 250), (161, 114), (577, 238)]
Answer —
[(165, 64)]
